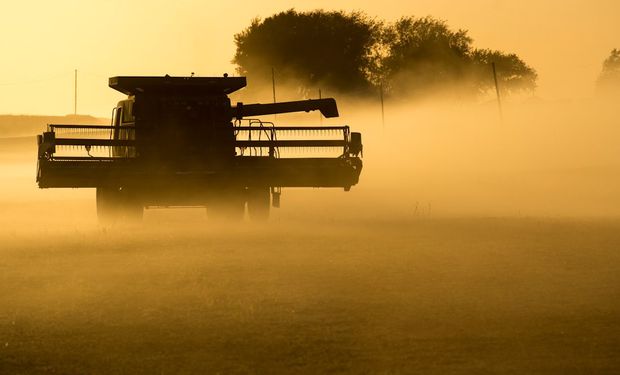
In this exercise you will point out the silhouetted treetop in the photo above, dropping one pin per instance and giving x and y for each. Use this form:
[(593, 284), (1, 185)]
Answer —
[(609, 79), (421, 53), (327, 48), (353, 53), (513, 73), (424, 54)]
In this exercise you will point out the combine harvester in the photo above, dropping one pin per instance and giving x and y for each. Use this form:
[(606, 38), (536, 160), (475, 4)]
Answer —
[(178, 142)]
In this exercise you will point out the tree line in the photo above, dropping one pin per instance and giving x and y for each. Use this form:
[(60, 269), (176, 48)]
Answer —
[(609, 79), (355, 54)]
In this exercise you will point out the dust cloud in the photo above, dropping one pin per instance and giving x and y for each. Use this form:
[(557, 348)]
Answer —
[(471, 244), (545, 159), (541, 158), (448, 159)]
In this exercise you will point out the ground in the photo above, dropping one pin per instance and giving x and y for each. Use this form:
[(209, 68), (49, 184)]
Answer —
[(433, 296)]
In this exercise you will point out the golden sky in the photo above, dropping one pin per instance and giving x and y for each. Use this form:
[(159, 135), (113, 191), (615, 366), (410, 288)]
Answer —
[(44, 41)]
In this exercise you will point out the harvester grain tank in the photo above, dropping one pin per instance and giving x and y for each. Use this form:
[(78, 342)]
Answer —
[(178, 141)]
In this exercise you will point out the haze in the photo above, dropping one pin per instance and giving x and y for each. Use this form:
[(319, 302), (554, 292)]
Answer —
[(470, 244)]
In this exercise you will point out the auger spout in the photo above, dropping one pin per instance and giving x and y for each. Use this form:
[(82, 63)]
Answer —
[(327, 107)]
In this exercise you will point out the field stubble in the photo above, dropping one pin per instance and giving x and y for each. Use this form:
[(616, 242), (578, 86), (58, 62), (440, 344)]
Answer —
[(435, 296)]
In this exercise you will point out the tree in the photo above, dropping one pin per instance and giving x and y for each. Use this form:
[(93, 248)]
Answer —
[(352, 53), (513, 73), (332, 49), (423, 55), (609, 79)]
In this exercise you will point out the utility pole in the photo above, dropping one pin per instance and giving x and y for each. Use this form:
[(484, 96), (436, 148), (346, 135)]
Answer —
[(273, 83), (499, 99), (320, 116), (273, 86), (75, 93), (382, 104)]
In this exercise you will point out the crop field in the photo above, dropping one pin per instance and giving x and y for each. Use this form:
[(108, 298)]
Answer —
[(420, 296), (432, 265)]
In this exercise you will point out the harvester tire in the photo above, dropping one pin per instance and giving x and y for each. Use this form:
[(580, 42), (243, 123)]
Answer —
[(226, 207), (115, 205), (259, 201)]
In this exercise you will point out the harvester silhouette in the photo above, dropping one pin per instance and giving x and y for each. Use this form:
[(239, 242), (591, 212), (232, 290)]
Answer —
[(178, 141)]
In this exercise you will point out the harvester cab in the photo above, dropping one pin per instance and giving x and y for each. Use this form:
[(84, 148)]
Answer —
[(178, 141)]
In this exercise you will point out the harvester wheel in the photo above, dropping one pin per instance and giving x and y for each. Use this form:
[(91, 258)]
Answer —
[(108, 205), (133, 211), (228, 206), (258, 203), (117, 205)]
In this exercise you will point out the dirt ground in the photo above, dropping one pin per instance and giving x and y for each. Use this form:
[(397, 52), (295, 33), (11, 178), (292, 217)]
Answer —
[(422, 296), (439, 262)]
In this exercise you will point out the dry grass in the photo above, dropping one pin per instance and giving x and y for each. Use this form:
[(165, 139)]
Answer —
[(429, 296)]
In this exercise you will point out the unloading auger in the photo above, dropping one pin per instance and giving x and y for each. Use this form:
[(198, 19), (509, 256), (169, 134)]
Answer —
[(178, 141)]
